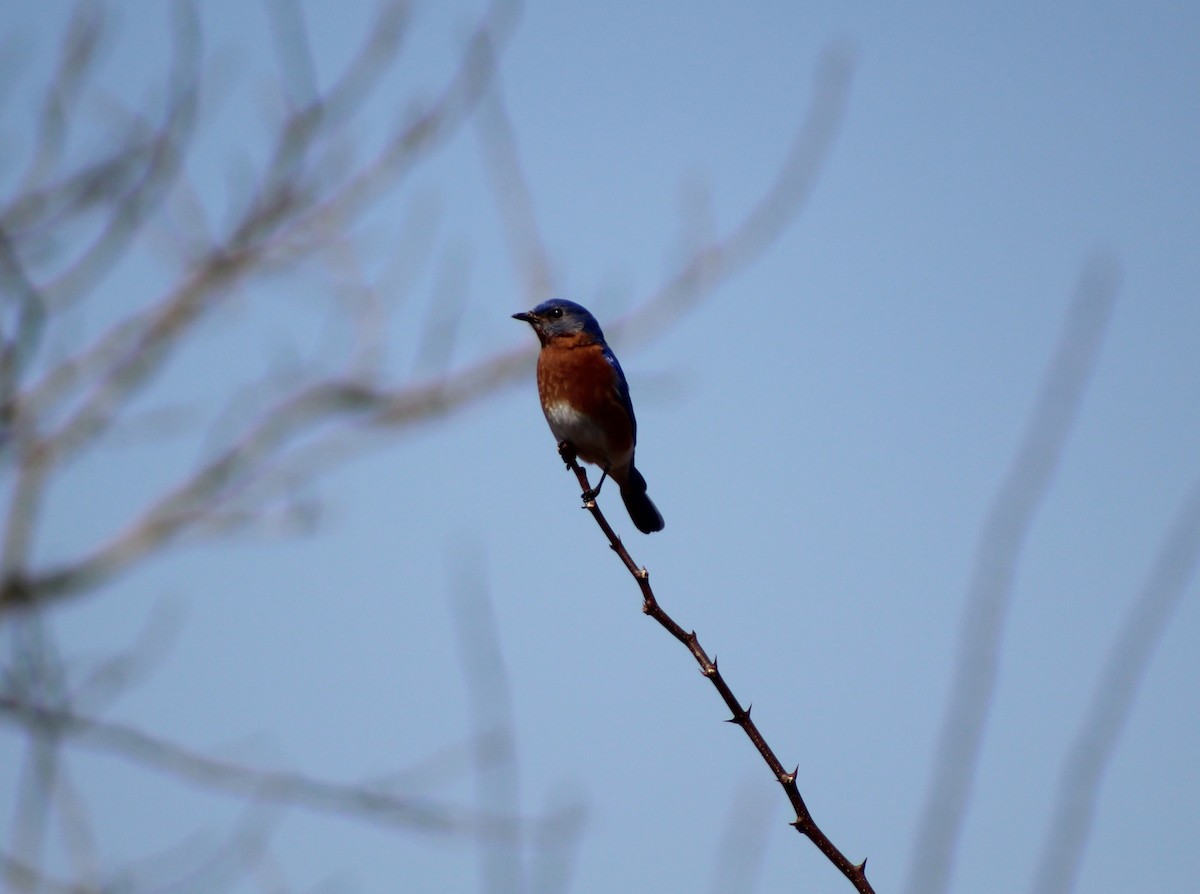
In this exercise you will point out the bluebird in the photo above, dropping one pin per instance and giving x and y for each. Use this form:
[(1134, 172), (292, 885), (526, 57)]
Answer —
[(586, 401)]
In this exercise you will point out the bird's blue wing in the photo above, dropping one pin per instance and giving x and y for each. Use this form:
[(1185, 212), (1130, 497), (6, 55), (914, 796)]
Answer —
[(622, 390)]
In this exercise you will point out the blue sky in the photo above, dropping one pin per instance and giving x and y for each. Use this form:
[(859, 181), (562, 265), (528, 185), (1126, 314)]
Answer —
[(824, 435)]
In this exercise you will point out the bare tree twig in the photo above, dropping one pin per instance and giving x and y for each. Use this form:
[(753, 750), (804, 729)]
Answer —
[(804, 822), (1112, 701), (1004, 531)]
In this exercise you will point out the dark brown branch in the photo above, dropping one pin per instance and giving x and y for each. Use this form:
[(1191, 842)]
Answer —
[(804, 822)]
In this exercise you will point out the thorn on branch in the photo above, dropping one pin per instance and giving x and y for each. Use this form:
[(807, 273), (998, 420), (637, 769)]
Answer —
[(740, 717)]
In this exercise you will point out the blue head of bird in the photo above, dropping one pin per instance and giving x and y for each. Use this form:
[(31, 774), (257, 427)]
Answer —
[(558, 317)]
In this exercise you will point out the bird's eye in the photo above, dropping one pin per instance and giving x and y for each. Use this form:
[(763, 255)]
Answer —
[(555, 313)]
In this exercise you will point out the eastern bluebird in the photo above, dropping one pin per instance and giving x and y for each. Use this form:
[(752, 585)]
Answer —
[(586, 400)]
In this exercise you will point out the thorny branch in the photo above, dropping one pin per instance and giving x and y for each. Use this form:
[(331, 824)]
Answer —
[(804, 822)]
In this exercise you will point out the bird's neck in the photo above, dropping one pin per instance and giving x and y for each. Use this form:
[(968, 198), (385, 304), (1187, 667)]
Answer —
[(573, 340)]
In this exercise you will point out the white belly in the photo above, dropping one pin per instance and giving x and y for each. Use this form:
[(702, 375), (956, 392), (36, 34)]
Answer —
[(589, 439)]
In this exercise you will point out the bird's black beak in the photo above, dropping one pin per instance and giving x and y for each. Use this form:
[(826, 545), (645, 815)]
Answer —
[(526, 316)]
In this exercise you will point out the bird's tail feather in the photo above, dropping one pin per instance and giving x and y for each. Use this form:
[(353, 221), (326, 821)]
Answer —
[(645, 515)]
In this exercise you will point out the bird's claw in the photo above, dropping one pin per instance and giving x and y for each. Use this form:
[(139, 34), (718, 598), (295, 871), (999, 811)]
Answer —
[(566, 450)]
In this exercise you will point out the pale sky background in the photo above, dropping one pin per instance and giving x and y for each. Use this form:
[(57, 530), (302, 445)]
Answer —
[(823, 434)]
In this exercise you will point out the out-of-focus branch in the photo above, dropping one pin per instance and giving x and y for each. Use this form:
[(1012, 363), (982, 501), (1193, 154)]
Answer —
[(990, 594), (76, 57), (514, 198), (726, 255), (205, 492), (78, 214), (1112, 701), (129, 209), (698, 275), (19, 335), (245, 844), (426, 129), (742, 850), (280, 223), (368, 803), (804, 823), (22, 877), (135, 349), (36, 672)]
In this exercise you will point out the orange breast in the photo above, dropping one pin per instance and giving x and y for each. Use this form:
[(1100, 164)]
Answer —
[(578, 389)]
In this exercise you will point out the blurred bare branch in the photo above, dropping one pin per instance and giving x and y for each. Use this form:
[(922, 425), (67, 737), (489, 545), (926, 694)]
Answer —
[(514, 198), (743, 845), (1112, 701), (990, 593), (133, 351), (77, 55), (36, 672), (497, 784), (719, 259), (22, 877), (364, 802), (77, 368)]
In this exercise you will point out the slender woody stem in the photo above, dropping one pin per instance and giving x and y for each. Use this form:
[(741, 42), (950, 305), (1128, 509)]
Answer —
[(804, 822)]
